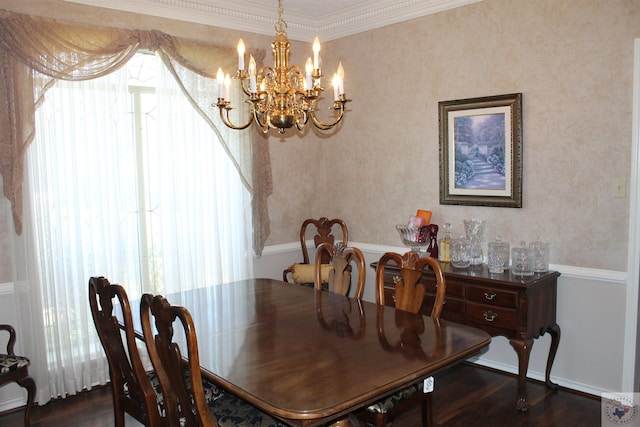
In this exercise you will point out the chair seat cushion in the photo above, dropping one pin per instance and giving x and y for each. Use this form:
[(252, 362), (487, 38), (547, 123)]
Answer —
[(384, 405), (211, 391), (10, 363), (155, 383), (231, 411), (305, 273)]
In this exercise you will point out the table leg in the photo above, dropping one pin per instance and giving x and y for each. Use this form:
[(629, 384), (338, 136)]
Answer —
[(554, 331), (523, 348)]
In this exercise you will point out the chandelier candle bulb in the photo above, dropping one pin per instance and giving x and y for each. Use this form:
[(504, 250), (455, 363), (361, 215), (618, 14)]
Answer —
[(336, 87), (240, 55), (340, 74), (252, 75), (308, 68), (220, 80), (316, 53), (227, 86)]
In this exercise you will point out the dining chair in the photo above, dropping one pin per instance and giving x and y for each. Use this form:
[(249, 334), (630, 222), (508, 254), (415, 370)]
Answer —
[(15, 369), (302, 273), (409, 296), (339, 259), (135, 390), (189, 399)]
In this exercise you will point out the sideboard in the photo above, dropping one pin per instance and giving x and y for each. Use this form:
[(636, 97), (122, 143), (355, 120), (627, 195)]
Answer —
[(521, 308)]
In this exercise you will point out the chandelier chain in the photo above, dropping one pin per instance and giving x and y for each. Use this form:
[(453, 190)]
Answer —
[(281, 25)]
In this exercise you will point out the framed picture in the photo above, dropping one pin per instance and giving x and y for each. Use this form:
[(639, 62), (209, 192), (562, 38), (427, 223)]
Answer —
[(481, 151)]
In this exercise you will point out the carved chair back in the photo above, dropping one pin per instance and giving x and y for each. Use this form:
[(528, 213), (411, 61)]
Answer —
[(409, 291), (324, 233), (181, 382), (340, 259), (132, 389)]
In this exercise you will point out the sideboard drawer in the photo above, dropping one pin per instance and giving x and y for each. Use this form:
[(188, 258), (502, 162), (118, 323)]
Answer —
[(454, 288), (453, 308), (487, 295), (451, 305), (491, 315)]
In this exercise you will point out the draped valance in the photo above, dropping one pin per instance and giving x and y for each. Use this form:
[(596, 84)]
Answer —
[(36, 51)]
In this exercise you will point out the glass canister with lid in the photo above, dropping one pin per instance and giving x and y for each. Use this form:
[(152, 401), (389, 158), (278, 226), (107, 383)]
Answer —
[(540, 255), (460, 252), (498, 249)]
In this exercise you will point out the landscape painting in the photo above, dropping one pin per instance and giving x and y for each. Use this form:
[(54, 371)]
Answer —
[(481, 151)]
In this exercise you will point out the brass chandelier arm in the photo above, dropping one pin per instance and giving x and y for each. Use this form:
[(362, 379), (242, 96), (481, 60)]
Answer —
[(264, 126), (244, 86), (301, 119), (326, 126), (224, 116)]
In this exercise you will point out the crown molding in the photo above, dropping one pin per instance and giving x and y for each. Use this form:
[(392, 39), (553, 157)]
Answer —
[(244, 15), (372, 15)]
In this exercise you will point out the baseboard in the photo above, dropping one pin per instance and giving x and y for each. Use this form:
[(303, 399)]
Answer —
[(11, 404), (540, 376)]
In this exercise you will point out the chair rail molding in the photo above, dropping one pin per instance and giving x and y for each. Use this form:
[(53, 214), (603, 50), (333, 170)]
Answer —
[(6, 288)]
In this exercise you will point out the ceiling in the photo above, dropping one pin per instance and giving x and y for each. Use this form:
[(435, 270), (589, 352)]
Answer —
[(306, 19)]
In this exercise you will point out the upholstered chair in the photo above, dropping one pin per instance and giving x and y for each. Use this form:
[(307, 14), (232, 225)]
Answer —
[(135, 390), (190, 400), (409, 296), (302, 273), (15, 369)]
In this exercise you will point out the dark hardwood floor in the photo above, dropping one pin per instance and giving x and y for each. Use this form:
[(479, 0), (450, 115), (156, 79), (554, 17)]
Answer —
[(465, 396)]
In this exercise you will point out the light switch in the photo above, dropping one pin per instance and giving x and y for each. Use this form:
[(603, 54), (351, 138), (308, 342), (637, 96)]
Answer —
[(619, 187)]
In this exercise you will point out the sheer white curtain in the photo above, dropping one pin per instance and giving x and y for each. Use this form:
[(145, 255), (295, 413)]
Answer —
[(162, 216), (199, 193)]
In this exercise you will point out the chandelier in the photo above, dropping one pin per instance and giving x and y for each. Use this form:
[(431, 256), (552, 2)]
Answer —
[(281, 96)]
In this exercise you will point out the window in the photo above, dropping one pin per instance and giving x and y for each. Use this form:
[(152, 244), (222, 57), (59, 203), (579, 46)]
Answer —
[(127, 181)]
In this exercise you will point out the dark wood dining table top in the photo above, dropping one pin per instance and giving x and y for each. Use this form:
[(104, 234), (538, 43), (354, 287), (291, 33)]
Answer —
[(309, 357)]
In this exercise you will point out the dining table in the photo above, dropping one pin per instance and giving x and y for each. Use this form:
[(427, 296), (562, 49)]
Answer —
[(311, 357)]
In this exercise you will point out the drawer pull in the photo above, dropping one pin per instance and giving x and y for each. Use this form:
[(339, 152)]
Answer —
[(393, 297), (397, 279), (490, 316), (489, 295)]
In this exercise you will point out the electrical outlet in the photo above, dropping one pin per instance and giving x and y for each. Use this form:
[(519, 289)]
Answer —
[(619, 187)]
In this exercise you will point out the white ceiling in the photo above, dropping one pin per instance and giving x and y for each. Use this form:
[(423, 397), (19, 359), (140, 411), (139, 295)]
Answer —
[(327, 19)]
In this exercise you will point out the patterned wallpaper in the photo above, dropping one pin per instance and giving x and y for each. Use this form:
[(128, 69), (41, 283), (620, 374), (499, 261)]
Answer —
[(573, 62)]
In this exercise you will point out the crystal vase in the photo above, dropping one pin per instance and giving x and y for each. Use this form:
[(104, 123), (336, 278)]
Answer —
[(474, 229)]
